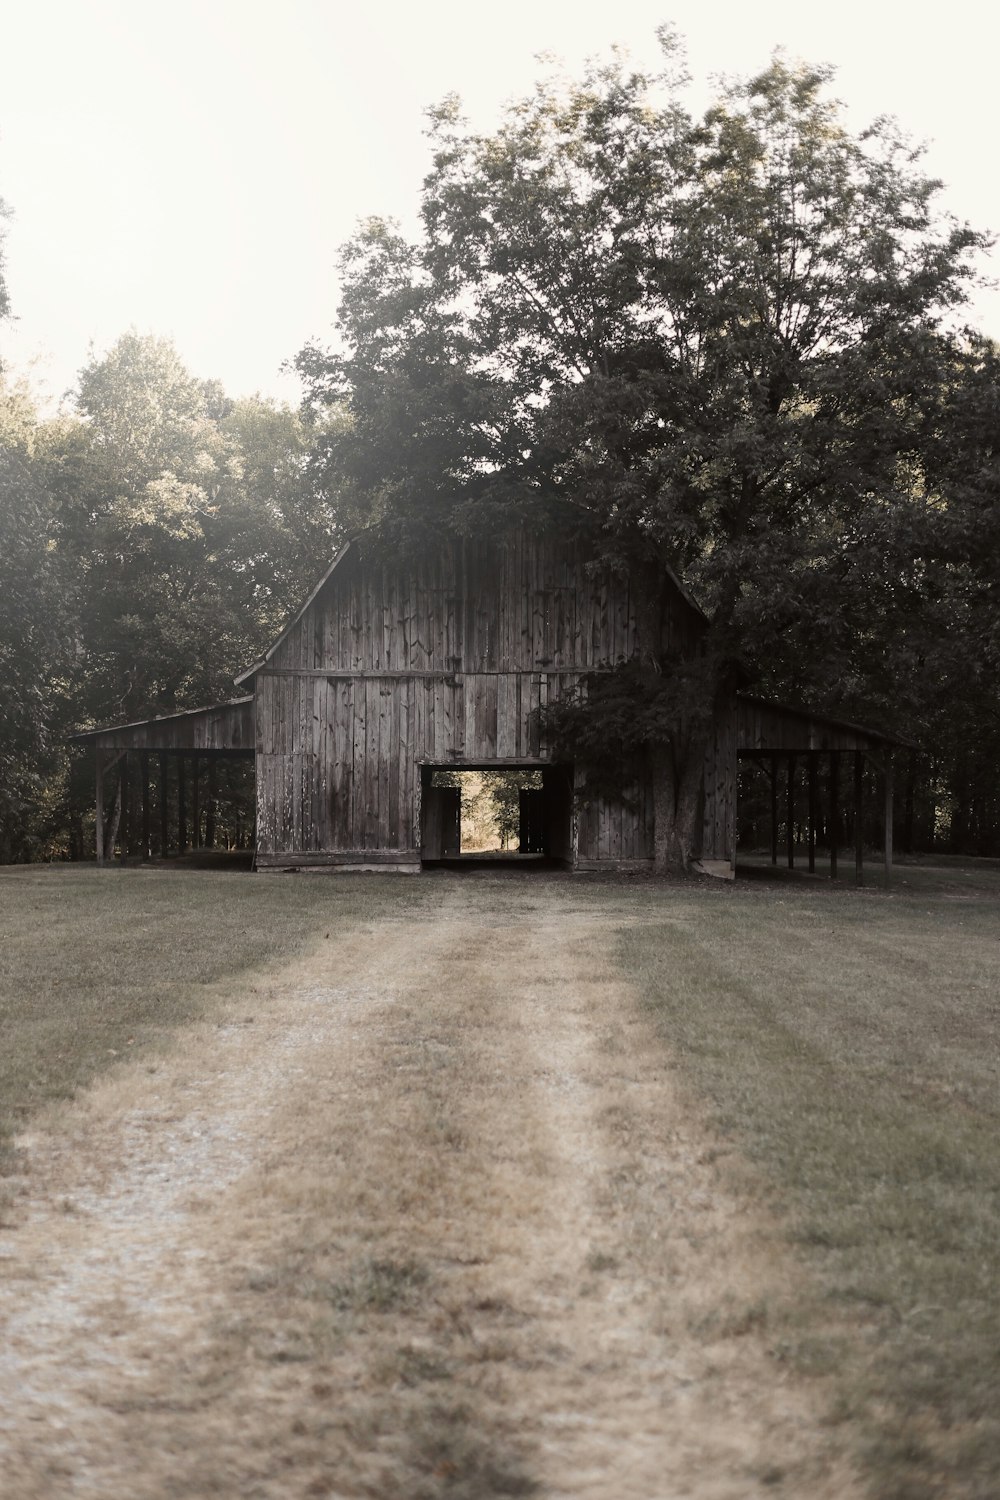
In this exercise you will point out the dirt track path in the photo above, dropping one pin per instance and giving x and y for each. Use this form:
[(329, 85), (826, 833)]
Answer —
[(422, 1215)]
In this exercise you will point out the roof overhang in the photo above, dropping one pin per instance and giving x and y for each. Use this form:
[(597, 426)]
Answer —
[(763, 727), (226, 727)]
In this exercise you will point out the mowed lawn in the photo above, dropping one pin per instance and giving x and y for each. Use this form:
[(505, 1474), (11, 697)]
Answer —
[(847, 1042), (843, 1043), (99, 965)]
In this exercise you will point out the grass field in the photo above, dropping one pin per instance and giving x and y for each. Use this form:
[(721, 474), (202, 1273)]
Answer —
[(844, 1042), (847, 1043), (96, 966)]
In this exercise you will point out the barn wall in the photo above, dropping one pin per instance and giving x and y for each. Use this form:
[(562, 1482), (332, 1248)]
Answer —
[(445, 662)]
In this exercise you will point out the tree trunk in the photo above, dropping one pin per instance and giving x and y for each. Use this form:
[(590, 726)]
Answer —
[(675, 807), (676, 765)]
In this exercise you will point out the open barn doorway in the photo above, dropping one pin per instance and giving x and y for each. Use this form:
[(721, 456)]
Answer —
[(507, 814)]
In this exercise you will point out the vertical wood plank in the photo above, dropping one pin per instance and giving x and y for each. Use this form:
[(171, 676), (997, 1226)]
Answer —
[(356, 837), (471, 717), (373, 767)]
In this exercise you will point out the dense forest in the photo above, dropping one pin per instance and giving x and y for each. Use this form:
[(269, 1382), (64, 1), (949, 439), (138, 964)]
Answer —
[(733, 345)]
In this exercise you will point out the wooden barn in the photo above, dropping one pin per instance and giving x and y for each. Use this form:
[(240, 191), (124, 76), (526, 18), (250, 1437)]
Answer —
[(389, 674)]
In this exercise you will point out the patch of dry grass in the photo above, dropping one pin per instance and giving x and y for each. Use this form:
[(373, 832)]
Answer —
[(96, 966), (847, 1043)]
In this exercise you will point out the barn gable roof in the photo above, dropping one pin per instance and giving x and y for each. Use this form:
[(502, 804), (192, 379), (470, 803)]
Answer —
[(245, 678)]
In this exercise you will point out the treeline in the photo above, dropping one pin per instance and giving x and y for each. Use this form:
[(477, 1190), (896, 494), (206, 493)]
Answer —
[(151, 545)]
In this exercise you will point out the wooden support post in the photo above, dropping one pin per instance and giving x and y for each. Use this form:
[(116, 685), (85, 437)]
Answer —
[(195, 802), (147, 837), (182, 827), (774, 809), (859, 817), (213, 793), (99, 826), (790, 824), (123, 826), (887, 876), (834, 810), (813, 808), (164, 788)]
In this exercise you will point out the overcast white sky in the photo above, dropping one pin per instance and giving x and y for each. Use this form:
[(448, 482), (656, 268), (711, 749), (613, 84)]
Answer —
[(189, 167)]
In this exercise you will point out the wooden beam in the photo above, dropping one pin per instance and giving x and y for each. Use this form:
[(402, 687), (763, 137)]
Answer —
[(195, 802), (164, 789), (790, 814), (813, 808), (123, 825), (859, 817), (774, 809), (834, 810), (213, 792), (887, 837), (182, 827), (99, 824), (147, 840)]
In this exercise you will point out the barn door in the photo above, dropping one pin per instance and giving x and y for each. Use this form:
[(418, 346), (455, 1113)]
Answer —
[(442, 822)]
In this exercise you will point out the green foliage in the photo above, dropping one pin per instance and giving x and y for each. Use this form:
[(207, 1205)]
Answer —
[(704, 341), (34, 651), (150, 546), (619, 720), (185, 515), (723, 344), (501, 796)]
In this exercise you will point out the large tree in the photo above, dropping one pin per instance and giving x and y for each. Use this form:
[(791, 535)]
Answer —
[(712, 345), (35, 641), (189, 523)]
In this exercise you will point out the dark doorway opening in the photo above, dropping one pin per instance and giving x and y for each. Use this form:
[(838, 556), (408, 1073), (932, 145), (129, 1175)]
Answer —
[(497, 814)]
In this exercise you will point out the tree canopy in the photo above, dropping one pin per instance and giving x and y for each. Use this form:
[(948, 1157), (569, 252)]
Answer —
[(715, 345), (152, 542)]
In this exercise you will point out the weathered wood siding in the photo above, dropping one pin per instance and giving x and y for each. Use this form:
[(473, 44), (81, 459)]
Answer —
[(443, 662), (225, 727), (764, 728)]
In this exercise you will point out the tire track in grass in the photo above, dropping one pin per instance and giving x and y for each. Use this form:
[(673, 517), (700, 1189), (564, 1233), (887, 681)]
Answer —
[(437, 1225)]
